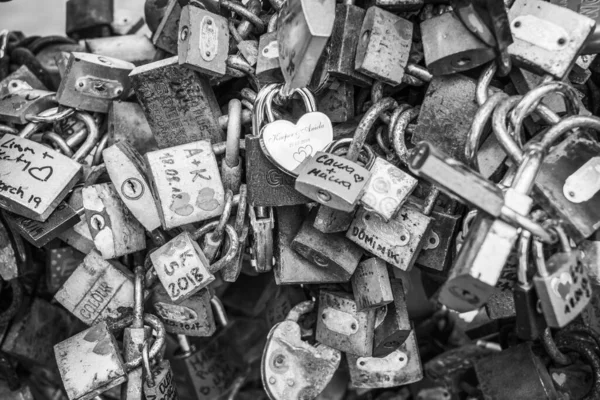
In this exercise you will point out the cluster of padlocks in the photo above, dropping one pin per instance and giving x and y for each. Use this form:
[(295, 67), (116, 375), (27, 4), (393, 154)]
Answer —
[(298, 199)]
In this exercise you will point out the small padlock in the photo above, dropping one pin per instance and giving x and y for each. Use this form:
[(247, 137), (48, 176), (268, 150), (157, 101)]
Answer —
[(384, 45), (562, 283), (401, 367), (267, 62), (88, 18), (182, 267), (186, 183), (191, 317), (261, 231), (91, 82), (302, 33), (21, 79), (547, 38), (337, 101), (127, 171), (203, 41), (60, 265), (291, 368), (127, 123), (232, 270), (16, 107), (341, 326), (98, 290), (166, 35), (176, 116), (231, 164), (158, 384), (371, 284), (443, 56), (395, 328), (330, 251)]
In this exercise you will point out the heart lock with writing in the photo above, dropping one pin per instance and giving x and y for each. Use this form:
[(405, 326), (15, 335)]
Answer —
[(286, 144), (291, 368)]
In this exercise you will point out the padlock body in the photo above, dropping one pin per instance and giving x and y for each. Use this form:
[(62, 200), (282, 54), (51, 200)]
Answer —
[(127, 123), (371, 284), (60, 265), (14, 107), (398, 241), (267, 62), (166, 35), (191, 317), (164, 388), (529, 323), (136, 49), (27, 166), (186, 183), (83, 15), (438, 249), (395, 327)]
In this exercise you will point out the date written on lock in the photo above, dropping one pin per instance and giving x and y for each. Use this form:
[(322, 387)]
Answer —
[(181, 267), (186, 183)]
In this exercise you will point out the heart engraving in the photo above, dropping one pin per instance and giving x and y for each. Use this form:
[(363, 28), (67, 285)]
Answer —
[(181, 206), (206, 200), (287, 144), (41, 174)]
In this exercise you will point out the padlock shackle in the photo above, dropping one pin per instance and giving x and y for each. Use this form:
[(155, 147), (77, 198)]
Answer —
[(3, 42), (159, 328), (58, 141), (307, 97), (399, 132), (245, 26), (482, 91), (300, 309), (138, 298), (98, 158), (234, 244), (528, 170), (540, 262), (567, 124), (272, 25), (219, 310), (418, 72), (241, 210), (234, 129), (523, 246), (243, 12), (7, 129), (259, 107), (33, 127), (93, 135), (61, 113), (146, 366), (217, 233)]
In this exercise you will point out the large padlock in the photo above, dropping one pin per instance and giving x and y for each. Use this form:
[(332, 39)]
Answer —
[(443, 56), (91, 82), (547, 38), (401, 367), (98, 290), (341, 326), (127, 171), (302, 33), (330, 251), (127, 123), (186, 183), (203, 41), (384, 45), (177, 116), (589, 8), (290, 367), (562, 283)]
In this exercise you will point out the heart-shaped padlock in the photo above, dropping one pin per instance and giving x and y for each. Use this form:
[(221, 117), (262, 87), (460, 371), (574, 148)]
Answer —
[(292, 369), (286, 144)]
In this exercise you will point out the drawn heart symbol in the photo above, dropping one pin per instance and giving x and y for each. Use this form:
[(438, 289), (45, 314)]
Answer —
[(41, 174), (281, 139), (302, 153), (562, 285), (358, 178), (559, 378), (181, 206), (175, 245), (206, 200), (104, 347)]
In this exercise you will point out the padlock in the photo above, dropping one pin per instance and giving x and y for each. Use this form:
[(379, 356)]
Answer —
[(10, 263), (203, 41), (337, 101), (302, 33), (127, 171), (79, 237), (32, 334), (580, 73), (398, 241), (371, 284), (330, 251), (15, 107), (40, 164), (182, 267), (21, 79), (395, 328), (446, 114), (98, 290), (524, 375), (341, 48), (341, 326), (127, 19), (529, 321), (136, 49), (191, 317), (261, 232), (158, 384), (114, 229), (60, 264), (384, 45), (91, 82), (174, 172), (547, 38), (291, 368), (291, 267), (267, 184), (387, 190), (332, 180), (562, 284), (176, 116), (501, 303), (590, 9), (166, 34), (127, 123), (443, 56), (231, 164), (88, 18), (40, 233), (401, 367), (267, 61), (134, 339)]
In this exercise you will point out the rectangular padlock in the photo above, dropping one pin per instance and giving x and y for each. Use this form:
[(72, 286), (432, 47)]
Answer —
[(60, 265), (182, 267), (177, 116), (163, 387), (371, 284), (398, 241), (21, 79), (203, 41), (79, 237), (267, 62), (341, 326), (395, 328), (29, 165), (591, 9), (186, 183), (166, 34), (127, 123), (98, 290), (14, 107), (337, 101), (90, 363)]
